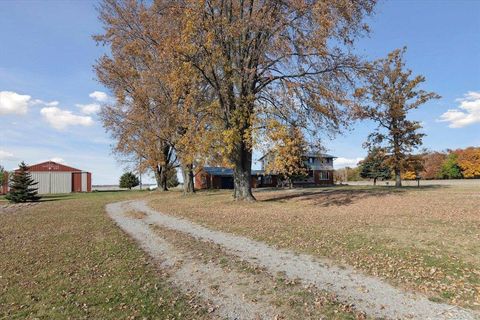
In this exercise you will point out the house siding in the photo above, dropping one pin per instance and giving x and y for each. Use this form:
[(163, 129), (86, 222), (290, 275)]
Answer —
[(204, 180), (319, 168)]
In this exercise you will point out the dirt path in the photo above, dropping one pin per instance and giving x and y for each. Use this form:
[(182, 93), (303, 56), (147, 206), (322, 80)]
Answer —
[(368, 294)]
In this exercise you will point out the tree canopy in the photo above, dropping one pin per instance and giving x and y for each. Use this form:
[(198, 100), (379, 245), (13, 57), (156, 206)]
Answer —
[(433, 162), (211, 73), (392, 93), (469, 162)]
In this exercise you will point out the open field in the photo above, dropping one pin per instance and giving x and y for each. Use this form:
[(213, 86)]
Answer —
[(426, 239), (64, 258)]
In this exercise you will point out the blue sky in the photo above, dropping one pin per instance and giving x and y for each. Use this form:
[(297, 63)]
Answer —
[(49, 95)]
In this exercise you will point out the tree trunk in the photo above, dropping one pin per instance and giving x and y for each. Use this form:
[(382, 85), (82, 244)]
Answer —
[(374, 181), (398, 178), (188, 181), (242, 173), (161, 178)]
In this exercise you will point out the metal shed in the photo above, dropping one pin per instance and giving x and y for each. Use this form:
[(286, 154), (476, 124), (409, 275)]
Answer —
[(53, 177)]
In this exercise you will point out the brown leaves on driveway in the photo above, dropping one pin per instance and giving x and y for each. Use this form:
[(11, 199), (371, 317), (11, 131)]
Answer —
[(425, 239)]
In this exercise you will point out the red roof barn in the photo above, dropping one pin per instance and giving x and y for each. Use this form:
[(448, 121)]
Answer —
[(55, 177)]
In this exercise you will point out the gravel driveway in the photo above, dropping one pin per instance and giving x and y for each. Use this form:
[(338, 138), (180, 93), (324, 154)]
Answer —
[(370, 295)]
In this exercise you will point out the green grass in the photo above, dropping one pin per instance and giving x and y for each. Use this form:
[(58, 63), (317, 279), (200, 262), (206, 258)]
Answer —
[(65, 258)]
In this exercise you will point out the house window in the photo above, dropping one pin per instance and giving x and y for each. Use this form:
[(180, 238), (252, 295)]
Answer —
[(324, 175), (268, 179), (310, 160)]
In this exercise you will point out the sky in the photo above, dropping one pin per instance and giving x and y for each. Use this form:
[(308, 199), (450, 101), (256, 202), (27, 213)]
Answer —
[(49, 97)]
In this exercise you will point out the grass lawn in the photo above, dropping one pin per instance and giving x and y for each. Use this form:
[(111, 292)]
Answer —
[(64, 258), (425, 239)]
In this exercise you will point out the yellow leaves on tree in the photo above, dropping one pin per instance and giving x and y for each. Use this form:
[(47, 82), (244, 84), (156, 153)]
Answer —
[(287, 149), (409, 175), (469, 162)]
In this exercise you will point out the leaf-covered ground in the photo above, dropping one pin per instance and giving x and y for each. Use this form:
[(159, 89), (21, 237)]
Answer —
[(425, 239), (64, 258)]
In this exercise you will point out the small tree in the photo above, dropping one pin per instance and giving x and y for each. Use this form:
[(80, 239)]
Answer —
[(450, 168), (129, 180), (287, 151), (413, 168), (22, 186), (374, 166), (393, 93)]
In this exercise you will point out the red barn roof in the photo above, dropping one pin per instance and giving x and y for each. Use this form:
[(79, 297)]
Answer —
[(52, 166)]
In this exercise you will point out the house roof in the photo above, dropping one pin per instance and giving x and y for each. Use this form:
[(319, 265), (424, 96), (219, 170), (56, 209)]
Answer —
[(218, 171), (310, 155), (227, 172), (320, 155)]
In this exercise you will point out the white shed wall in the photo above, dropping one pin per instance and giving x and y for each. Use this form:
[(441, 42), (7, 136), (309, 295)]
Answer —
[(84, 182), (53, 182)]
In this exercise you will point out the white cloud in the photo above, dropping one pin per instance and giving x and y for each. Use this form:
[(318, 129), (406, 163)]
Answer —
[(45, 103), (346, 162), (57, 159), (467, 113), (13, 103), (90, 108), (60, 119), (99, 96), (5, 155)]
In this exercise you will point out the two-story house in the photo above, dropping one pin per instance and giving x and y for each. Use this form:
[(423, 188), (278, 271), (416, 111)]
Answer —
[(319, 169), (319, 172)]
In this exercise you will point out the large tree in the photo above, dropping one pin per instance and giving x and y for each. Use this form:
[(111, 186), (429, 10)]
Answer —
[(269, 58), (393, 93), (290, 60), (157, 115)]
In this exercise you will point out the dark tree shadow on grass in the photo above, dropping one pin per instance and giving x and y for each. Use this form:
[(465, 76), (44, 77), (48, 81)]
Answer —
[(344, 196)]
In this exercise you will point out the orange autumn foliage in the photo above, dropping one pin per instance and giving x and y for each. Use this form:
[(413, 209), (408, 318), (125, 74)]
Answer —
[(469, 162), (409, 175)]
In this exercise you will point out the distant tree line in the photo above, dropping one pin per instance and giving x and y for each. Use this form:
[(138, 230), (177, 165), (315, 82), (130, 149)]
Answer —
[(452, 164), (428, 165)]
